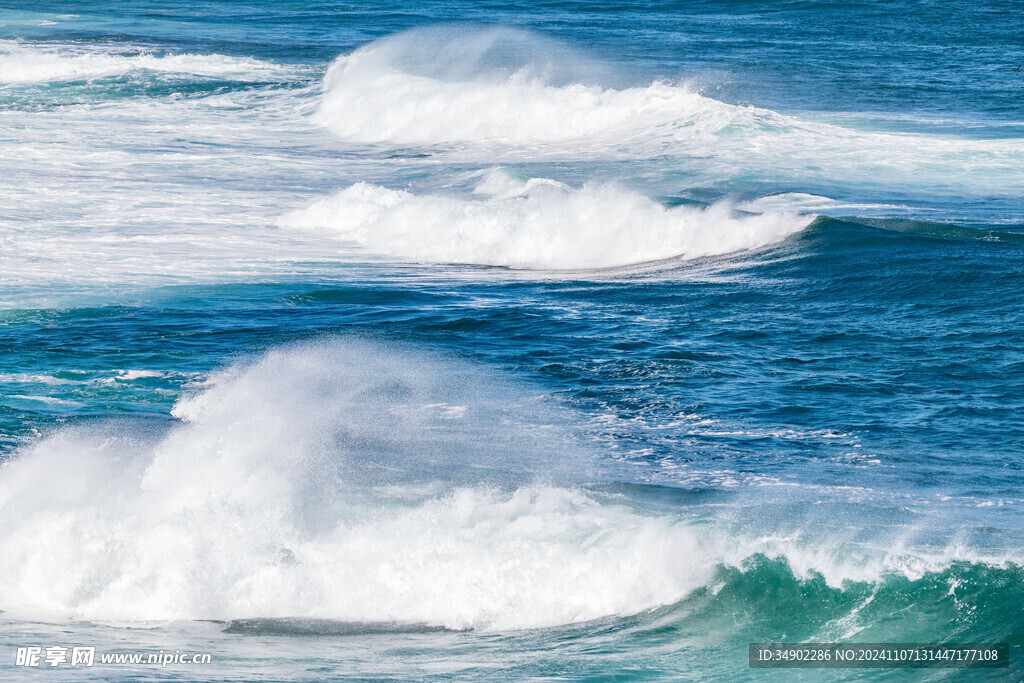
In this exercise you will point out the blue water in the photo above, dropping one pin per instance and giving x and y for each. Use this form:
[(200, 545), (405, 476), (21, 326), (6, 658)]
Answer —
[(509, 340)]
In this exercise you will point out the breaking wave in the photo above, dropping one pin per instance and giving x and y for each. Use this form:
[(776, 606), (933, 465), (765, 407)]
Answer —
[(333, 480), (501, 93), (356, 483), (449, 84), (538, 223)]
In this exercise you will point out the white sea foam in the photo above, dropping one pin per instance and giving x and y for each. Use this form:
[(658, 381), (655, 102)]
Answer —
[(22, 63), (109, 198), (537, 223), (132, 375), (50, 400)]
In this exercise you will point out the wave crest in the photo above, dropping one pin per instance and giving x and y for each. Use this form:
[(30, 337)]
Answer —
[(493, 84), (538, 223)]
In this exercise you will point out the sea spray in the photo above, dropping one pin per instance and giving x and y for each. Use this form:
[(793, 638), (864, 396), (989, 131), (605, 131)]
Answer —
[(327, 481)]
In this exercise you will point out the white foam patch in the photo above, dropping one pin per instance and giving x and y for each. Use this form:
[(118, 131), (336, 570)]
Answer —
[(112, 198), (537, 223), (132, 375), (22, 63), (810, 203)]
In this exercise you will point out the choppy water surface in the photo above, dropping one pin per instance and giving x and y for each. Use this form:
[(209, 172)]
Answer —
[(493, 340)]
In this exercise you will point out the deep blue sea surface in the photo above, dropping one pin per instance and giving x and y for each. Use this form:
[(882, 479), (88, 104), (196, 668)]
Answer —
[(491, 340)]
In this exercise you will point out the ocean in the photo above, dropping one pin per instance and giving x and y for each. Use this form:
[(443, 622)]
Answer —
[(509, 340)]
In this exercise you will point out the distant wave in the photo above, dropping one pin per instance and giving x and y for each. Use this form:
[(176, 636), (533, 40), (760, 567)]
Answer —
[(500, 92), (26, 63), (451, 84), (538, 223)]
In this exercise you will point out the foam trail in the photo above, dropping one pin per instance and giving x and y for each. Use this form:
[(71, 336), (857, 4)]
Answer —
[(537, 223), (22, 63), (809, 203)]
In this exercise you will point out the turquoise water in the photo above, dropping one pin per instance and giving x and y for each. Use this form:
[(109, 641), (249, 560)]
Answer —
[(496, 340)]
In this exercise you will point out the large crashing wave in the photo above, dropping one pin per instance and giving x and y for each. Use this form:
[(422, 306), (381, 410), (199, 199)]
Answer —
[(356, 483), (339, 481), (538, 223)]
